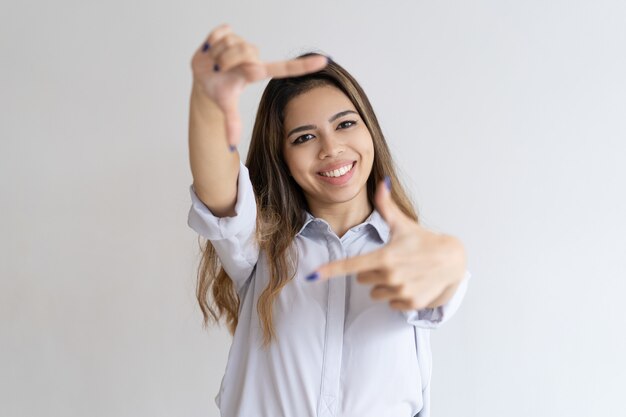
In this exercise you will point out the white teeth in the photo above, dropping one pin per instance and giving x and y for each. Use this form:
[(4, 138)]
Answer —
[(337, 172)]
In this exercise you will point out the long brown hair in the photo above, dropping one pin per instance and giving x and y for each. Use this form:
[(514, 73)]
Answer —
[(280, 201)]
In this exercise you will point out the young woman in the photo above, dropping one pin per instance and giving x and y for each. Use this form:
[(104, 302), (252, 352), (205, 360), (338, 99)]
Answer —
[(314, 255)]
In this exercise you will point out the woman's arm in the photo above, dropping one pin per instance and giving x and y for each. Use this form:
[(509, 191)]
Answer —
[(213, 166), (214, 96)]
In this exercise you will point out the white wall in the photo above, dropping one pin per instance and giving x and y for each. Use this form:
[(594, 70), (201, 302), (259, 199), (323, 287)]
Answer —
[(507, 118)]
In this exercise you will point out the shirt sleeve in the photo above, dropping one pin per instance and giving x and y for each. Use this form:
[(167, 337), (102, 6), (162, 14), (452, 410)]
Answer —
[(431, 318), (233, 237)]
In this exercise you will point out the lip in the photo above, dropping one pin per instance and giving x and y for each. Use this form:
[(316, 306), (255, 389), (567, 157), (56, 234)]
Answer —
[(338, 180)]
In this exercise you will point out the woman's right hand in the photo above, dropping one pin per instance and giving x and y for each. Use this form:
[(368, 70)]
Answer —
[(226, 63)]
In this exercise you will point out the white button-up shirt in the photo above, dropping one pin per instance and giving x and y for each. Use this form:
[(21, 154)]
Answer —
[(337, 352)]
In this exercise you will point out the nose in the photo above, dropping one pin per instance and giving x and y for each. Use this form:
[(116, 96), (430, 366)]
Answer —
[(330, 146)]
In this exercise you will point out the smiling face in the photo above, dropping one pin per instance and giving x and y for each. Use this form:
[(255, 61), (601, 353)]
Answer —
[(328, 149)]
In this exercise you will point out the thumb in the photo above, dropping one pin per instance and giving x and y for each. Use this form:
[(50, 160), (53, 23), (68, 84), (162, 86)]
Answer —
[(233, 123), (385, 205)]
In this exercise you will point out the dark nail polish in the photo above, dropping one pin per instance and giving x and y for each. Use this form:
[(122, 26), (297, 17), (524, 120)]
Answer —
[(206, 47), (216, 68), (232, 148), (313, 277), (388, 182)]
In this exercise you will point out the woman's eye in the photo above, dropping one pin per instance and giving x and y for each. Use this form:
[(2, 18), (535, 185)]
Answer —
[(346, 124), (302, 139)]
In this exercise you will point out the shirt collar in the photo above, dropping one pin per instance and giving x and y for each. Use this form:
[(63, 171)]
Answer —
[(308, 218), (374, 221), (379, 224)]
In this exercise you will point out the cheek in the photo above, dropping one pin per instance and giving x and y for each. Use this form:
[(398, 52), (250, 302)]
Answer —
[(368, 149), (368, 156), (297, 168), (289, 160)]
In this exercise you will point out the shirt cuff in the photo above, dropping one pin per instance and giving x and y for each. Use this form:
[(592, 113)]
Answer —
[(432, 318), (211, 227)]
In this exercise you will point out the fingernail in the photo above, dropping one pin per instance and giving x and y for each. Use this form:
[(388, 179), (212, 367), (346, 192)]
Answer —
[(216, 68), (388, 182), (313, 277), (232, 148), (206, 47)]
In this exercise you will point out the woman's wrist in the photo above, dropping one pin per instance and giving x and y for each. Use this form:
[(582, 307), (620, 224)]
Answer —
[(202, 105)]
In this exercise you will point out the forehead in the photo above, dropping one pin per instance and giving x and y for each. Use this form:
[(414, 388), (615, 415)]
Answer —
[(316, 105)]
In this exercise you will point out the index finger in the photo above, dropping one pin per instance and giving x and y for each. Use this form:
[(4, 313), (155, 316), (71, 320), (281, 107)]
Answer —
[(218, 33), (296, 67), (354, 265)]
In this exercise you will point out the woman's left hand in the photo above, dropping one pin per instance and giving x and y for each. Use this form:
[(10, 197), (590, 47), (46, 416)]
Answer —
[(416, 269)]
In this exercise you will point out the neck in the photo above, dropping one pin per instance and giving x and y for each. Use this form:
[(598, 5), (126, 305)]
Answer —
[(342, 216)]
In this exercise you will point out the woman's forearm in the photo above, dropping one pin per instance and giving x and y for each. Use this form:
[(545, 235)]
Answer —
[(213, 166)]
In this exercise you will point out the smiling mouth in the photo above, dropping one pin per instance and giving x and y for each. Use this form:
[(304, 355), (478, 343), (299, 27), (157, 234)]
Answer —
[(340, 172)]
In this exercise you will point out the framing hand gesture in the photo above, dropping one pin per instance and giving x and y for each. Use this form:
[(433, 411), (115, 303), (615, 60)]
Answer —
[(226, 63), (416, 269)]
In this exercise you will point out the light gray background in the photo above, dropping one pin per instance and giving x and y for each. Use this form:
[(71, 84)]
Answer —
[(507, 119)]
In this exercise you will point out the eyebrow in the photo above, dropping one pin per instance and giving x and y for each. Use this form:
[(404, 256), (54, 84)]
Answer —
[(310, 127)]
